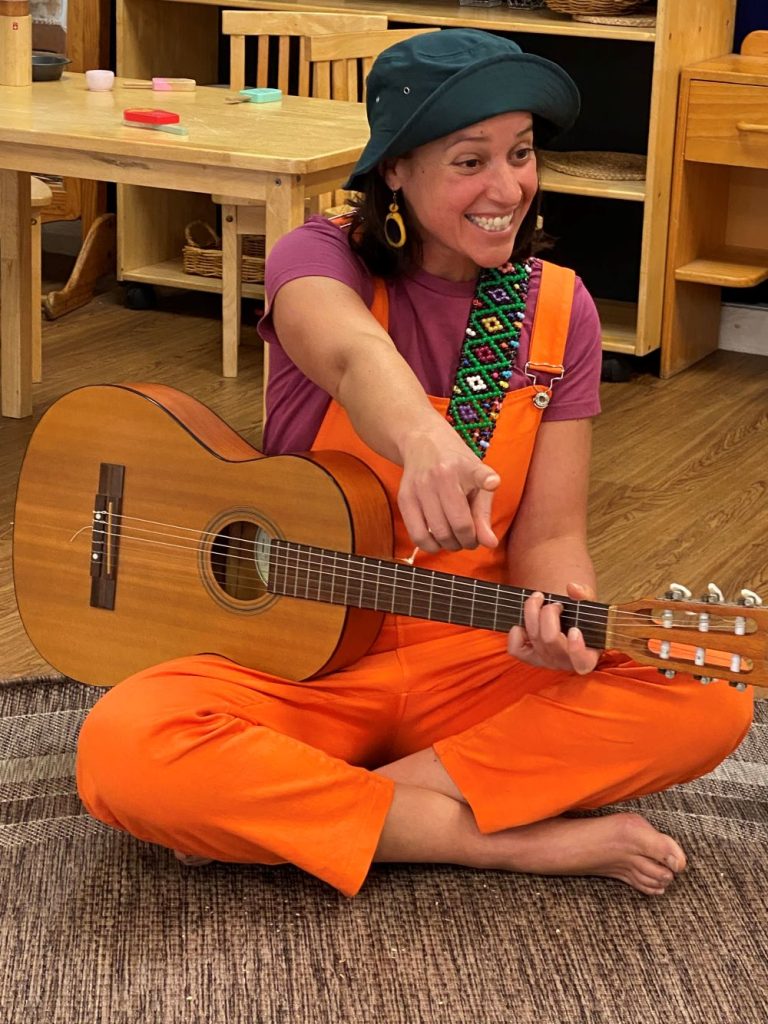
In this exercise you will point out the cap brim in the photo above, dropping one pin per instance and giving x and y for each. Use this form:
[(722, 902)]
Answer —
[(520, 81)]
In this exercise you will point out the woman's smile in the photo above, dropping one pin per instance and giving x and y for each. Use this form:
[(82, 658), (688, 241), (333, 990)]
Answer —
[(492, 224)]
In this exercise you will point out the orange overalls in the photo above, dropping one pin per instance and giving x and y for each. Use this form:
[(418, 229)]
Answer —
[(210, 758)]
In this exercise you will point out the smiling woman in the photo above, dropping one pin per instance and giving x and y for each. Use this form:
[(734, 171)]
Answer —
[(423, 336)]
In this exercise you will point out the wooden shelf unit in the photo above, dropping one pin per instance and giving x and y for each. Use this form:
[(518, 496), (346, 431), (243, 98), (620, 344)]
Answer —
[(719, 214), (181, 38)]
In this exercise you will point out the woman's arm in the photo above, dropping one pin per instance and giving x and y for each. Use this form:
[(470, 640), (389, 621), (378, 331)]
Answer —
[(330, 334), (547, 547)]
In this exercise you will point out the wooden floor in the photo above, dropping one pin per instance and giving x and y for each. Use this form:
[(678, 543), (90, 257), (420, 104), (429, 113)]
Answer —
[(680, 476)]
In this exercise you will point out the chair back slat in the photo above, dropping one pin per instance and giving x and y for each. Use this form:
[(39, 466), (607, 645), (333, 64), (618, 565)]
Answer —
[(321, 80), (353, 80), (237, 63), (283, 63), (262, 64)]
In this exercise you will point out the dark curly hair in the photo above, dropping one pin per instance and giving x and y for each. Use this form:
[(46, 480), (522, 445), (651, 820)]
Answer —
[(367, 238)]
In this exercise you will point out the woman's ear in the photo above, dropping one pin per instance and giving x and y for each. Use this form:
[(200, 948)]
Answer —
[(389, 172)]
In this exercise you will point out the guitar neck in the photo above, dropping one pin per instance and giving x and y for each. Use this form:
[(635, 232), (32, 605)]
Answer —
[(336, 577)]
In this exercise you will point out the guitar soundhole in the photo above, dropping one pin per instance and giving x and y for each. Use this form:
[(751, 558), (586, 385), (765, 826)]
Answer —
[(236, 558)]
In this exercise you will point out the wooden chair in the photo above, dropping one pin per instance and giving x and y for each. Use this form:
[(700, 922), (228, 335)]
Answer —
[(286, 34)]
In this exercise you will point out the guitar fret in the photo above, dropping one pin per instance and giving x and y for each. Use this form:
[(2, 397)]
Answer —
[(346, 582), (357, 581)]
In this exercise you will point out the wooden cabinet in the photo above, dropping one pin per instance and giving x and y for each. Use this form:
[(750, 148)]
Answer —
[(719, 215), (180, 38)]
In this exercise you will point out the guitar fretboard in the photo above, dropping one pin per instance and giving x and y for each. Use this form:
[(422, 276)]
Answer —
[(337, 577)]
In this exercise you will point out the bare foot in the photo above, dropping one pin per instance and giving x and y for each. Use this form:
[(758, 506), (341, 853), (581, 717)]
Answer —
[(623, 846), (190, 860)]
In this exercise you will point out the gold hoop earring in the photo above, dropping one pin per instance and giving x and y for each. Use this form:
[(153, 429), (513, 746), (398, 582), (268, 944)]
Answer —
[(393, 217)]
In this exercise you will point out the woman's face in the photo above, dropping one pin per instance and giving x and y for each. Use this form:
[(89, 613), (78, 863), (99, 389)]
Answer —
[(468, 193)]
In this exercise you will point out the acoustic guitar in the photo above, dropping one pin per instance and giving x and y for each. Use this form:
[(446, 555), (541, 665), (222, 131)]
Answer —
[(147, 529)]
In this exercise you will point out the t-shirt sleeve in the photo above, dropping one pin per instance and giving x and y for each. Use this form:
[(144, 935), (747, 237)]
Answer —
[(577, 395), (319, 248)]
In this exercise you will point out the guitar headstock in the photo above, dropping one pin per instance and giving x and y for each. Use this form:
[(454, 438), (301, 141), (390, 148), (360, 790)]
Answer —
[(710, 638)]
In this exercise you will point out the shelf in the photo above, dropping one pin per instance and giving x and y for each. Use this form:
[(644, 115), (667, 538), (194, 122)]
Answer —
[(449, 14), (171, 274), (572, 184), (619, 322), (729, 267)]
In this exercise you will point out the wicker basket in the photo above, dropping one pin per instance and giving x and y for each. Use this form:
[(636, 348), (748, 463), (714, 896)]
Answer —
[(202, 254), (605, 7)]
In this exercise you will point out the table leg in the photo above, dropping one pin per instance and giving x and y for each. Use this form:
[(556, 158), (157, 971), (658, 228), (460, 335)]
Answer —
[(231, 288), (15, 294), (284, 212)]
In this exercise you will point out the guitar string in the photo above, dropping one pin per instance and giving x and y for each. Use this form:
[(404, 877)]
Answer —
[(628, 643), (490, 588), (481, 592), (484, 591), (395, 565)]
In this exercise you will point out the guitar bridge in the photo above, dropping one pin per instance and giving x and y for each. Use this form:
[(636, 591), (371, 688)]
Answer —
[(105, 535)]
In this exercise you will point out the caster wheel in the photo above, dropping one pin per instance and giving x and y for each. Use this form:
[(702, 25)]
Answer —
[(616, 369), (140, 296)]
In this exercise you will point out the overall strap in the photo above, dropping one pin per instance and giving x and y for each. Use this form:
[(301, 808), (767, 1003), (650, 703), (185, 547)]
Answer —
[(551, 320), (380, 304)]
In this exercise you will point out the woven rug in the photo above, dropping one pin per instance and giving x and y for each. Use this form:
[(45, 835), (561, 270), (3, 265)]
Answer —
[(99, 928)]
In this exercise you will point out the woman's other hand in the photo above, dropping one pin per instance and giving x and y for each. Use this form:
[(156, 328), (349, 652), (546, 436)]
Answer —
[(541, 641), (446, 492)]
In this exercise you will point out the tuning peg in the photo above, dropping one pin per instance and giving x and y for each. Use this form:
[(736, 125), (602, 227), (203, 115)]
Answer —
[(750, 599), (714, 594), (737, 686), (677, 592), (705, 680), (670, 673)]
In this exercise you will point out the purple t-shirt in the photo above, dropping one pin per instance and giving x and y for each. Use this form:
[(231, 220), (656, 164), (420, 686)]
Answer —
[(427, 318)]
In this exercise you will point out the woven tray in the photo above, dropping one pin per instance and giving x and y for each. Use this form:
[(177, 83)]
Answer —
[(597, 164), (600, 7), (202, 255), (644, 18)]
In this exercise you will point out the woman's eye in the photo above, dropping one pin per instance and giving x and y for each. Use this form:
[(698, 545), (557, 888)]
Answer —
[(470, 163), (523, 154)]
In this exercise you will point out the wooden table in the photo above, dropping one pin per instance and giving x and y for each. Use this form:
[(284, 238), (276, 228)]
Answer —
[(280, 153)]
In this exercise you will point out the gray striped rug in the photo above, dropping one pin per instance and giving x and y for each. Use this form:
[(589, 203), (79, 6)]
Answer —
[(99, 928)]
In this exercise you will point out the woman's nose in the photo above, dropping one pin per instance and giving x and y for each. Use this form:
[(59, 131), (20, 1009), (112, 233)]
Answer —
[(505, 187)]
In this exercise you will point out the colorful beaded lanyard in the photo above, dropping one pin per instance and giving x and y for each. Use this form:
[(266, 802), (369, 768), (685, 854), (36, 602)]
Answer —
[(489, 353)]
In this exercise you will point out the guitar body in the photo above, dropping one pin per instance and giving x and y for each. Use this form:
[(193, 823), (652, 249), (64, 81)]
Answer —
[(174, 480)]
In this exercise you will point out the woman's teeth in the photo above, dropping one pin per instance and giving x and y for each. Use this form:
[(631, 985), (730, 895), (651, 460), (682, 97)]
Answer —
[(491, 223)]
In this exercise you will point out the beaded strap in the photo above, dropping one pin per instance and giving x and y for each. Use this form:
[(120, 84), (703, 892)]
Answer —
[(489, 352)]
